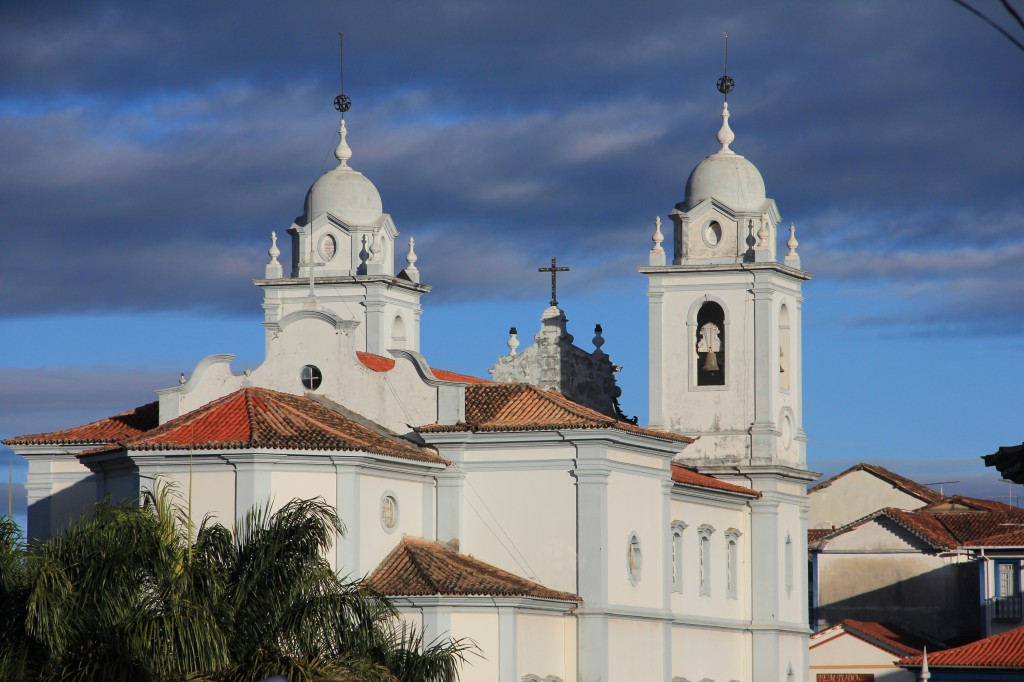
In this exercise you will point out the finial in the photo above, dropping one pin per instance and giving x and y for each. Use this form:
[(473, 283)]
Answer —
[(343, 152), (181, 379), (598, 338), (513, 341), (342, 102), (248, 372), (274, 252), (762, 236), (925, 673), (411, 270), (725, 134), (657, 237), (792, 258)]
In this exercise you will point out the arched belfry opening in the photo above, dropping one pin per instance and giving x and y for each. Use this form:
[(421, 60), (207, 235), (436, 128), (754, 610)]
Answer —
[(398, 332), (710, 345)]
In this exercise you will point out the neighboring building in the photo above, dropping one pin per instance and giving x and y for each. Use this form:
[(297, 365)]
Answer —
[(924, 570), (1000, 657), (858, 651), (861, 490), (568, 542)]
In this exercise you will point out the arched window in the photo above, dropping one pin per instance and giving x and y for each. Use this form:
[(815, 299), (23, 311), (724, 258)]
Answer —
[(732, 563), (784, 349), (634, 558), (398, 332), (710, 345), (677, 555), (704, 559)]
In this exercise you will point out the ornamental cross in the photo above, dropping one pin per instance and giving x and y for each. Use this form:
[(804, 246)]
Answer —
[(554, 270)]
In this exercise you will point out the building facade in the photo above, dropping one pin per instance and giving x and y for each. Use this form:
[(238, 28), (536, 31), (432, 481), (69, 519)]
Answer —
[(567, 541)]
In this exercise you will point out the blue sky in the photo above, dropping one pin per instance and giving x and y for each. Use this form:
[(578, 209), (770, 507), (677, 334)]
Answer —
[(146, 154)]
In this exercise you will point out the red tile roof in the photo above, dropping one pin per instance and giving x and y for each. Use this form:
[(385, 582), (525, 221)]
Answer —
[(417, 568), (259, 418), (379, 363), (908, 486), (523, 407), (961, 503), (890, 637), (950, 530), (123, 425), (816, 535), (681, 474), (1003, 651)]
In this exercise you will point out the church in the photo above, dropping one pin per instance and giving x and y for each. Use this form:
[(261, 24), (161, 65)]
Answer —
[(521, 510)]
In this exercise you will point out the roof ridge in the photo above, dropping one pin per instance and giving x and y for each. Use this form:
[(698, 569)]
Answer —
[(326, 427)]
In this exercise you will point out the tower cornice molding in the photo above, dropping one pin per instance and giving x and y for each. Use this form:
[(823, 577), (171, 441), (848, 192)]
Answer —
[(780, 268)]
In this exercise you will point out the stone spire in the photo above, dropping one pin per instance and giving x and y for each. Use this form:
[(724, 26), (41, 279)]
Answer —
[(792, 258), (657, 255), (411, 271), (273, 270)]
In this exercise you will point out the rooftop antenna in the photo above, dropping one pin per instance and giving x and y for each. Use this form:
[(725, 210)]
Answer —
[(342, 102), (940, 484), (726, 83)]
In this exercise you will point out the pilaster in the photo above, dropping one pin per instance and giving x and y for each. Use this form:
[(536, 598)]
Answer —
[(592, 564)]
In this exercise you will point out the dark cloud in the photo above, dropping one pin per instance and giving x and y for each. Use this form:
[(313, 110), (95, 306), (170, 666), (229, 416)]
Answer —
[(148, 151)]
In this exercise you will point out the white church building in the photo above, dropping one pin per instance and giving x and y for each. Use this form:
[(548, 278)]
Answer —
[(523, 510)]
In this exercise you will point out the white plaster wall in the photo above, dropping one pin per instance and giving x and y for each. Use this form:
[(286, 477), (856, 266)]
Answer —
[(213, 493), (792, 607), (395, 399), (523, 522), (635, 505), (545, 645), (704, 653), (846, 654), (635, 650), (374, 541), (852, 497), (482, 628), (69, 498), (690, 602), (305, 485)]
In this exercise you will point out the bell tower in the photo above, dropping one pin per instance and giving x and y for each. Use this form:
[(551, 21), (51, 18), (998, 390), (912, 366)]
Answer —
[(725, 367)]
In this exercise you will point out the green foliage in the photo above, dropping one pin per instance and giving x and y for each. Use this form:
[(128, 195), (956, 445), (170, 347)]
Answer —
[(129, 593)]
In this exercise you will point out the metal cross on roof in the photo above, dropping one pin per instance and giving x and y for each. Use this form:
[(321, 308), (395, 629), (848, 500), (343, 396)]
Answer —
[(554, 270)]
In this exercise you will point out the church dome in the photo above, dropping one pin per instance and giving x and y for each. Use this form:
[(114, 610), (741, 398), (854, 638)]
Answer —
[(726, 176), (730, 179), (343, 191)]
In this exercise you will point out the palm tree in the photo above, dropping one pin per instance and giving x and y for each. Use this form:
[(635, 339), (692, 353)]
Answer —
[(129, 594)]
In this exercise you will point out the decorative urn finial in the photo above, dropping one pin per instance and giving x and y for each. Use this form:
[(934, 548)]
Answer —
[(343, 152)]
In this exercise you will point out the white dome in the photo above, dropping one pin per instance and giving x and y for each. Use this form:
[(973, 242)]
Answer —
[(345, 193), (729, 178)]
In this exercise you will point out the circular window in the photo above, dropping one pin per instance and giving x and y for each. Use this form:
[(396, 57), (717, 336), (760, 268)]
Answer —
[(311, 377), (388, 511), (713, 234), (328, 247)]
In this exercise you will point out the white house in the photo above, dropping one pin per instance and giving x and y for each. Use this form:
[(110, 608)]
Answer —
[(568, 542)]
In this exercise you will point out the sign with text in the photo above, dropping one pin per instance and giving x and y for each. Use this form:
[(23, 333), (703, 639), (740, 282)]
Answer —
[(846, 677)]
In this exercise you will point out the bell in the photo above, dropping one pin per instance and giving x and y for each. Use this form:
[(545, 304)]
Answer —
[(710, 362)]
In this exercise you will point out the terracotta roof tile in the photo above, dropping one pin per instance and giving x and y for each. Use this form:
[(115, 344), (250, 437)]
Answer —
[(1004, 651), (891, 637), (379, 363), (123, 425), (816, 535), (908, 486), (961, 503), (523, 407), (265, 419), (417, 568), (681, 474), (950, 530)]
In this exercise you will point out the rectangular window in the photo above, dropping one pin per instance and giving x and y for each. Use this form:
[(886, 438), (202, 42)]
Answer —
[(1007, 578)]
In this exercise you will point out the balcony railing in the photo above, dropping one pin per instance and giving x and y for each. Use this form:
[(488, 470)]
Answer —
[(1005, 609)]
